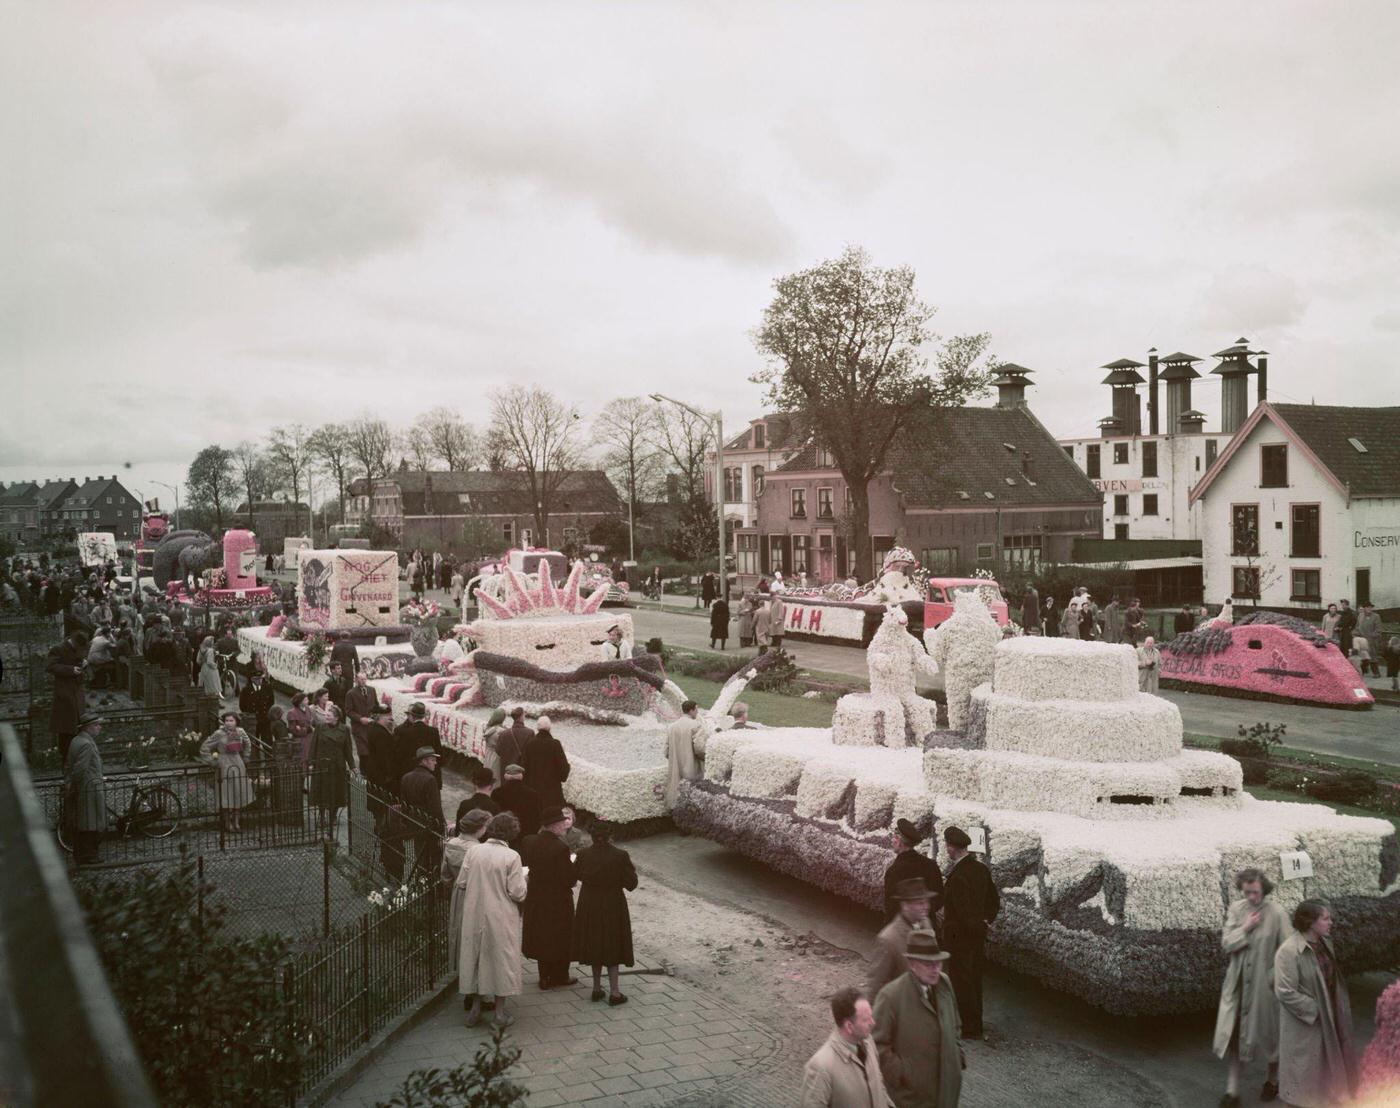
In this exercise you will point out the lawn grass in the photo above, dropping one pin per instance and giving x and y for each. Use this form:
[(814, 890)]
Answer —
[(1294, 758), (1264, 792), (773, 709)]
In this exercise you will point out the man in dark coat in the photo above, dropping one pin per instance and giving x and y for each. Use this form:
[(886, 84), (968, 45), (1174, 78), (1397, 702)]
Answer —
[(909, 862), (1030, 610), (379, 765), (1346, 627), (359, 708), (517, 798), (67, 665), (257, 698), (345, 652), (510, 744), (970, 903), (546, 765), (422, 799), (483, 780), (412, 734), (338, 684), (84, 792), (549, 902), (1185, 620)]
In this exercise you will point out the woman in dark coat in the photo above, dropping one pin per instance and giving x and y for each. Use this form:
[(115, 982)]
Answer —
[(332, 759), (1050, 618), (719, 623), (545, 764), (602, 925)]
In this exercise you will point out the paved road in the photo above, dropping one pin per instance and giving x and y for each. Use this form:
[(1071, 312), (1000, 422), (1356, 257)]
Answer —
[(1372, 734)]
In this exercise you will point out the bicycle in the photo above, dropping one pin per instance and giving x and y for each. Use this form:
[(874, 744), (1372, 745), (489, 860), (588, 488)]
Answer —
[(153, 811)]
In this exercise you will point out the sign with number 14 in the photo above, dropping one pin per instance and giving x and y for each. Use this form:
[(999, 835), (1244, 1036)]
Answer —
[(1296, 864)]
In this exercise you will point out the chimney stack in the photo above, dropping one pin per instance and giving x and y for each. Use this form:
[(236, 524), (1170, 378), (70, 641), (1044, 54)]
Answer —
[(1011, 383), (1263, 364), (1234, 370), (1124, 379), (1152, 391), (1177, 373)]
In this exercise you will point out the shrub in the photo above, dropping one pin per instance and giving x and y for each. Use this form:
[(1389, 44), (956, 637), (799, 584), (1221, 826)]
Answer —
[(1255, 771), (1353, 787), (1283, 778), (778, 674), (480, 1083)]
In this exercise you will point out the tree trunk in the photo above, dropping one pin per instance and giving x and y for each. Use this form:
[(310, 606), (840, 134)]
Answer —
[(860, 530)]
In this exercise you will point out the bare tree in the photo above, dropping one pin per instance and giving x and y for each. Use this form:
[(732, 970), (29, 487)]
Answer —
[(624, 429), (416, 448), (532, 431), (289, 456), (845, 339), (453, 439), (329, 444), (250, 470), (210, 481), (683, 439), (370, 444)]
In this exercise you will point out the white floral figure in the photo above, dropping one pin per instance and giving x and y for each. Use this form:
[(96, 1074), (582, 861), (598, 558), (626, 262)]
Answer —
[(963, 646), (895, 585), (895, 660)]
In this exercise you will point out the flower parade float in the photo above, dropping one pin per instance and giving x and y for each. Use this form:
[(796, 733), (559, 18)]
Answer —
[(1113, 846), (232, 587), (1266, 656), (842, 613), (350, 595)]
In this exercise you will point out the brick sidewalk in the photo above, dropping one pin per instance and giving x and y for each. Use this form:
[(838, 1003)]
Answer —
[(672, 1042)]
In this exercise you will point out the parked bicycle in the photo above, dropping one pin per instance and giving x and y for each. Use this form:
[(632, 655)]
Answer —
[(153, 811)]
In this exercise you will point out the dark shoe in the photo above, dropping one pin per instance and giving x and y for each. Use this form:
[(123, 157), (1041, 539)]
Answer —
[(1229, 1100), (598, 994), (614, 1001), (1269, 1091)]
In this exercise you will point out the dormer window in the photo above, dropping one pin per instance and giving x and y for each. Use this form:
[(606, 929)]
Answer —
[(824, 458), (760, 436)]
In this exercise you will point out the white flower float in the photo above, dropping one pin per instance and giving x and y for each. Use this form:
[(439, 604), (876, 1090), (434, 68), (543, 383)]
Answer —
[(1113, 846)]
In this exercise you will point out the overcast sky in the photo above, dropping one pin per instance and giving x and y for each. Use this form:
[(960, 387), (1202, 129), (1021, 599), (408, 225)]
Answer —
[(219, 217)]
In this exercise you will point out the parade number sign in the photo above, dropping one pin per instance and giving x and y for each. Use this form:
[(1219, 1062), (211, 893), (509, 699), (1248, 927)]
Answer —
[(1296, 865), (978, 835)]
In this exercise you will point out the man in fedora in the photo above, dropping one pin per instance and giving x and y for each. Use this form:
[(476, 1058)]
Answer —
[(422, 796), (85, 792), (909, 862), (970, 903), (415, 732), (917, 1029), (549, 900), (845, 1070), (887, 963)]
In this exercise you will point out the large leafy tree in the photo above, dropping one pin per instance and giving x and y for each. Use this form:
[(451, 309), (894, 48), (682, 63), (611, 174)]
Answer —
[(210, 481), (533, 431), (845, 341)]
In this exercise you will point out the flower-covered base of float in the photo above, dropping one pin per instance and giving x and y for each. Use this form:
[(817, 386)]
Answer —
[(287, 663), (1114, 848)]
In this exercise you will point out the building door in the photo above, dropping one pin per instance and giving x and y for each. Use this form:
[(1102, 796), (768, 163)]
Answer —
[(1120, 531), (527, 538), (1363, 590), (826, 564)]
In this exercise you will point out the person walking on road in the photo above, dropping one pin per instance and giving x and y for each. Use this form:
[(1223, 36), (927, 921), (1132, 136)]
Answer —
[(970, 903), (845, 1070), (887, 963), (909, 862), (917, 1030), (1246, 1025), (225, 750), (719, 624), (1316, 1055)]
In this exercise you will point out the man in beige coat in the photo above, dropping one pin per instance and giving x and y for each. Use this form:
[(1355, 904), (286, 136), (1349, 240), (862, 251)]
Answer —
[(887, 963), (685, 747), (1317, 1061), (845, 1071), (493, 887), (1246, 1026)]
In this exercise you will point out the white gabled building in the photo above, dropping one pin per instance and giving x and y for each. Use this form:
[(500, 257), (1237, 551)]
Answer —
[(1302, 509)]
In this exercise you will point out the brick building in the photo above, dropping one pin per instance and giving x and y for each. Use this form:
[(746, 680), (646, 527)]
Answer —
[(435, 510), (32, 513), (273, 521), (979, 487)]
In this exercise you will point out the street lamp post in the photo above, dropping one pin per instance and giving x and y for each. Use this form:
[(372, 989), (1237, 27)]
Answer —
[(717, 418), (175, 488)]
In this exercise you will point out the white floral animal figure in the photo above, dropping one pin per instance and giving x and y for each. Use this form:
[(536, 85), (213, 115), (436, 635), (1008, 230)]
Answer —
[(895, 659), (895, 586), (963, 646)]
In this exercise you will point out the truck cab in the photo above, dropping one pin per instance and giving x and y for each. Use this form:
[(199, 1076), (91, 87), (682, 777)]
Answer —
[(943, 592)]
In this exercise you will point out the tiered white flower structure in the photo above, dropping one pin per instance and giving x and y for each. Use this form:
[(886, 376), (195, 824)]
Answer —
[(962, 647)]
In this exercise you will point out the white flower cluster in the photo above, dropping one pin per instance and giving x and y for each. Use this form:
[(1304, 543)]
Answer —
[(560, 643), (963, 647), (1139, 728), (1037, 668)]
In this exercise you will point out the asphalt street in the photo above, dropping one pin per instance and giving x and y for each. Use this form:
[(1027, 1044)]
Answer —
[(1372, 734)]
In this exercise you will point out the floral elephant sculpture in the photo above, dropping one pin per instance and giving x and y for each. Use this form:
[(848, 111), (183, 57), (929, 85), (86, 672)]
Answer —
[(182, 553)]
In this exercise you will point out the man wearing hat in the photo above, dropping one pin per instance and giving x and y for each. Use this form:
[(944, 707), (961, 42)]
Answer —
[(422, 795), (909, 862), (85, 792), (546, 765), (615, 648), (410, 735), (917, 1028), (845, 1070), (379, 762), (483, 781), (887, 963), (970, 903), (549, 900), (517, 798), (67, 665)]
